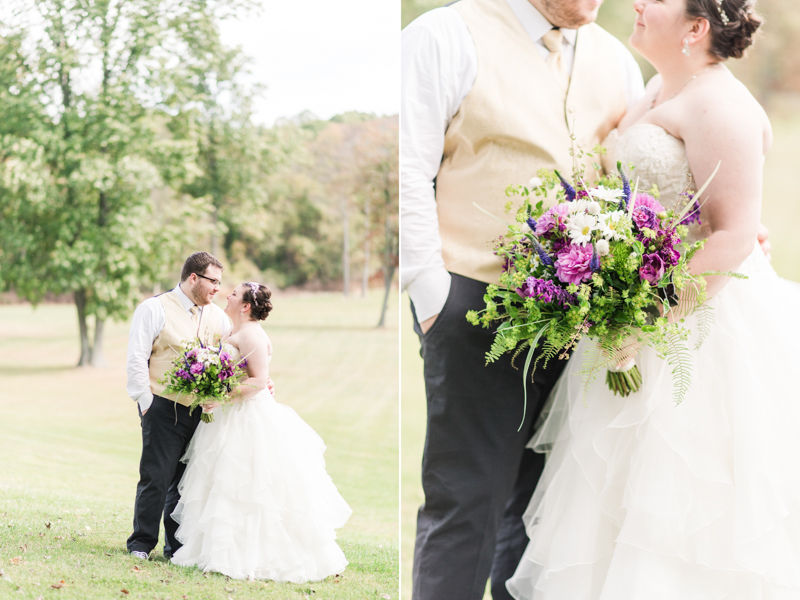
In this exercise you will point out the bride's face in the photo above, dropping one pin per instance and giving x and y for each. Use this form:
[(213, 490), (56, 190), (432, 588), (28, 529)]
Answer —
[(235, 303), (660, 28)]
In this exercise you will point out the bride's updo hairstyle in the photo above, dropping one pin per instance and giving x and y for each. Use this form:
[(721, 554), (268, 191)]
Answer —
[(257, 295), (733, 24)]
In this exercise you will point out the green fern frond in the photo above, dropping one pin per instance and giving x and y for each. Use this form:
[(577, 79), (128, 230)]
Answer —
[(726, 274), (680, 359), (705, 319)]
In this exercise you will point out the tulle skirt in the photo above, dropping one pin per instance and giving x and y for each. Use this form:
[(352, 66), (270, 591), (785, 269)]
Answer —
[(643, 499), (256, 500)]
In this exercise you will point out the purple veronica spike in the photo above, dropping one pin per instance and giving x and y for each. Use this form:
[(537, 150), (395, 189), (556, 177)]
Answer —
[(594, 264), (545, 291), (626, 186), (693, 216), (532, 224), (546, 260), (568, 189)]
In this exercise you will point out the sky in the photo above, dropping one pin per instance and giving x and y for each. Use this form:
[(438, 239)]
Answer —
[(324, 56)]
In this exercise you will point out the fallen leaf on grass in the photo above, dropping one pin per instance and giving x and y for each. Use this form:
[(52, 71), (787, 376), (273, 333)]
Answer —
[(108, 553), (125, 592), (229, 590), (59, 585), (16, 560), (136, 569), (47, 524), (59, 537), (41, 534)]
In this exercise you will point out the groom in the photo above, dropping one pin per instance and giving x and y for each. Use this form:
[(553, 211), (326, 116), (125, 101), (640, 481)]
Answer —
[(159, 326), (491, 90)]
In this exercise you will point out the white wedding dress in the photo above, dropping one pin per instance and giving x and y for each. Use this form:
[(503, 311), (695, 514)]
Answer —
[(643, 499), (256, 500)]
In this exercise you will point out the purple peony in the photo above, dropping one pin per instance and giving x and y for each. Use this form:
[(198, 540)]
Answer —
[(574, 264), (652, 269), (648, 201), (197, 368), (644, 217), (555, 214)]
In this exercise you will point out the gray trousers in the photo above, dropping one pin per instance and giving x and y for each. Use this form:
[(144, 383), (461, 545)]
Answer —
[(476, 473)]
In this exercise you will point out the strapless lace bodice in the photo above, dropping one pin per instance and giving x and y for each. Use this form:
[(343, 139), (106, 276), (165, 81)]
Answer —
[(659, 159)]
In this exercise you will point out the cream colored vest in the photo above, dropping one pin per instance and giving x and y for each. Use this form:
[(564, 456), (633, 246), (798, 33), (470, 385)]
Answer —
[(179, 327), (514, 121)]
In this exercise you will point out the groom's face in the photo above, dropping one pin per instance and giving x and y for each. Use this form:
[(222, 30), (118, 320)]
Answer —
[(202, 290), (569, 14)]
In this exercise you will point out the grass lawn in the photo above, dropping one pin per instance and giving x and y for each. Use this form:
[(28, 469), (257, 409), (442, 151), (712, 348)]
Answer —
[(781, 210), (70, 442)]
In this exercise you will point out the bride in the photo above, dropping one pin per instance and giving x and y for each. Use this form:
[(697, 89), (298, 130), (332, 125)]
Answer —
[(256, 501), (640, 498)]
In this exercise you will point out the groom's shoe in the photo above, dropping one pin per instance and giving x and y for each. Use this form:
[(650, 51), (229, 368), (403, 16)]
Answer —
[(140, 555)]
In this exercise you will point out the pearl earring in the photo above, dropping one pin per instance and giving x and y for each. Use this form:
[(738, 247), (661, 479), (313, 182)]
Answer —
[(686, 51)]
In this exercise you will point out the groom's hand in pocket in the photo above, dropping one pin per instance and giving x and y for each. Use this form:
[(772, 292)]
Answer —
[(427, 324)]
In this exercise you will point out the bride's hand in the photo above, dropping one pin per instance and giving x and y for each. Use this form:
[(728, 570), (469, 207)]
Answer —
[(209, 406), (270, 385)]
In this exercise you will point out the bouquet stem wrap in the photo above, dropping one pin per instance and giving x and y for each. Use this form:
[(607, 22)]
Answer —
[(624, 380)]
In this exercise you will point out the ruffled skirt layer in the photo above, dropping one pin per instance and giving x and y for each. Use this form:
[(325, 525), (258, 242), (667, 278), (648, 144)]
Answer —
[(256, 500), (643, 499)]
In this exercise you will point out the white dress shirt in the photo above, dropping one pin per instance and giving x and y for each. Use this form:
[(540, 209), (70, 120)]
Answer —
[(148, 321), (438, 69)]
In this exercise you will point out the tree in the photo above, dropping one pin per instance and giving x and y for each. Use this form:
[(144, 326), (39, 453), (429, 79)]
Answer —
[(78, 181), (380, 171)]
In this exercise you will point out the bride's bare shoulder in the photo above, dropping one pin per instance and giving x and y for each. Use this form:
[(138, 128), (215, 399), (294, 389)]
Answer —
[(722, 103)]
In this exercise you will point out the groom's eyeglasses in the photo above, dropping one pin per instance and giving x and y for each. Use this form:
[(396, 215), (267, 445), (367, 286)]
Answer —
[(214, 282)]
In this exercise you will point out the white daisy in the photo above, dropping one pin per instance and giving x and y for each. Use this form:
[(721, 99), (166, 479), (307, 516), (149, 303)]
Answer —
[(609, 195), (613, 225), (580, 227)]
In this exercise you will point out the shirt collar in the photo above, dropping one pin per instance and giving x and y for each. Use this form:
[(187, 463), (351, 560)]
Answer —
[(185, 301), (534, 23)]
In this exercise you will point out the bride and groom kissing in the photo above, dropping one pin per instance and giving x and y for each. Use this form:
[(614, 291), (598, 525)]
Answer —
[(247, 494), (638, 498)]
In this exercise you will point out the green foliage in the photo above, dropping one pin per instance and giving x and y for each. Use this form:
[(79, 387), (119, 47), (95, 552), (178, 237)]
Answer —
[(616, 305)]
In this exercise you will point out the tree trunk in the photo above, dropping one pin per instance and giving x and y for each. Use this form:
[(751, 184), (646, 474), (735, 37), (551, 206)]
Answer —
[(214, 225), (98, 356), (387, 289), (345, 249), (388, 263), (86, 350), (365, 274)]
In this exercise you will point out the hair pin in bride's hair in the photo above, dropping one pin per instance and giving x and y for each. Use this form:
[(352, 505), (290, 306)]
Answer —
[(254, 289), (723, 17)]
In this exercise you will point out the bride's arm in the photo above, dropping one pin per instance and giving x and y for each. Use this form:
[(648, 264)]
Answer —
[(257, 350), (732, 134)]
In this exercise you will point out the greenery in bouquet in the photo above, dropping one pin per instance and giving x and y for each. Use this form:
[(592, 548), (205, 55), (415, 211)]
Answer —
[(206, 373), (603, 261)]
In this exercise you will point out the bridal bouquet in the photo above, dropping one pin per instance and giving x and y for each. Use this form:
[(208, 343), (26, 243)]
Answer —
[(206, 373), (604, 261)]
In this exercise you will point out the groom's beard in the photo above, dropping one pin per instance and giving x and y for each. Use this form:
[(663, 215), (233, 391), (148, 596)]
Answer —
[(569, 14), (196, 297)]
